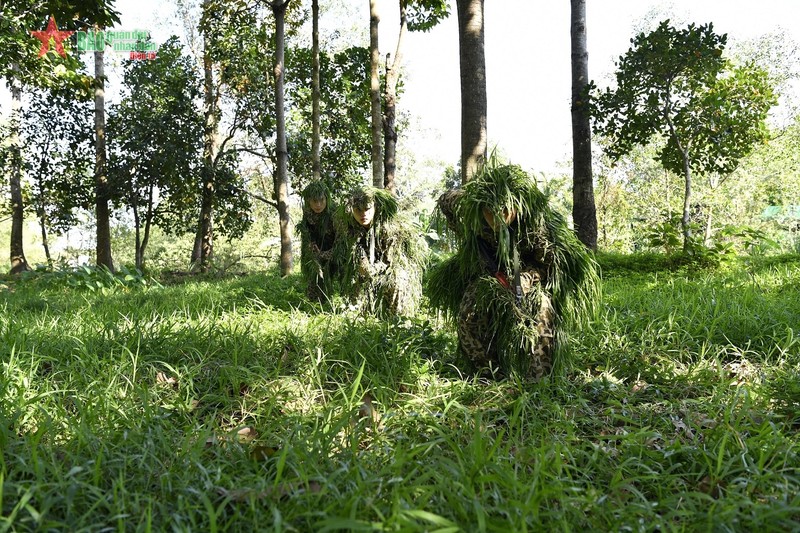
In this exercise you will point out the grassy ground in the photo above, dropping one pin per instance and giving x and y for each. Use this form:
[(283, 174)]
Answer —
[(214, 405)]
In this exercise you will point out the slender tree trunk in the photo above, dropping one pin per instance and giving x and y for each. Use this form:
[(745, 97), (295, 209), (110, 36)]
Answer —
[(687, 176), (204, 239), (148, 224), (707, 234), (390, 104), (375, 95), (315, 92), (41, 212), (713, 182), (137, 228), (45, 245), (281, 172), (102, 192), (687, 198), (584, 213), (473, 86), (18, 261)]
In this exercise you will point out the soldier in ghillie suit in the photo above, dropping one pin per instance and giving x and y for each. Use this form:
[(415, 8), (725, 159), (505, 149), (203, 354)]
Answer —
[(318, 236), (518, 278), (379, 254)]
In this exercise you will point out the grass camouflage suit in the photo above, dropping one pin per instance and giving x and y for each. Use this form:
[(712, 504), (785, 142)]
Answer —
[(318, 235), (518, 277), (379, 254)]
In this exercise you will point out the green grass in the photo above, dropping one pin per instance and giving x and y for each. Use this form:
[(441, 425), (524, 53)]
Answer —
[(121, 406)]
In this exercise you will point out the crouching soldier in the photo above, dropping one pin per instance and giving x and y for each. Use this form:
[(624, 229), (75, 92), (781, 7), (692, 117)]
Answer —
[(379, 254), (518, 278), (318, 235)]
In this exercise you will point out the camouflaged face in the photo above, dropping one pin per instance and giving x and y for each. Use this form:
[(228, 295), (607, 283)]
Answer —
[(361, 199)]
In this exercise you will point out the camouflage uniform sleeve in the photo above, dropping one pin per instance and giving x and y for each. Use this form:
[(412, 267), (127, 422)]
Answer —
[(448, 206), (530, 277)]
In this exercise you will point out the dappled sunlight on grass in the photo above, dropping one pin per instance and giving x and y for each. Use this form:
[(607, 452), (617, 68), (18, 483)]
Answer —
[(235, 402)]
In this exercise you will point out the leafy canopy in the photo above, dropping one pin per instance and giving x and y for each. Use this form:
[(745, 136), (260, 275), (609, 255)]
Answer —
[(676, 84)]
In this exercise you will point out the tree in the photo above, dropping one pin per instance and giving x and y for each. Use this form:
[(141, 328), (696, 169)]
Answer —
[(315, 92), (238, 36), (676, 84), (204, 239), (18, 261), (583, 207), (345, 128), (473, 86), (58, 160), (155, 135), (102, 189), (415, 15), (21, 66), (281, 171), (375, 95)]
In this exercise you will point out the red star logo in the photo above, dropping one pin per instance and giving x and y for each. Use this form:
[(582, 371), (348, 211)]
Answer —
[(57, 36)]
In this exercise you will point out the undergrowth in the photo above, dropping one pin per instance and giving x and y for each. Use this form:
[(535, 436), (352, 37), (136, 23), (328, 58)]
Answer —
[(232, 404)]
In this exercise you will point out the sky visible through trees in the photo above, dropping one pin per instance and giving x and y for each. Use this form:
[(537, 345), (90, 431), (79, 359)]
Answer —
[(527, 56)]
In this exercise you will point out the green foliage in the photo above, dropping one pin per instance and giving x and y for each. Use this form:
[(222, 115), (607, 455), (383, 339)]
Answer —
[(674, 85), (345, 129), (423, 15), (656, 79), (124, 410), (666, 235), (89, 278), (19, 50)]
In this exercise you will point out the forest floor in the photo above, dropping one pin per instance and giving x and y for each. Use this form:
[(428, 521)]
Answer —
[(234, 404)]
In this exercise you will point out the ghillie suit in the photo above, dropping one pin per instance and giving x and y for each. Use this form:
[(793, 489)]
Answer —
[(515, 285), (380, 265), (318, 235)]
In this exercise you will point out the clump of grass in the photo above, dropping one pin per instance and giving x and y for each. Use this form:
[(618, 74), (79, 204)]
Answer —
[(224, 404)]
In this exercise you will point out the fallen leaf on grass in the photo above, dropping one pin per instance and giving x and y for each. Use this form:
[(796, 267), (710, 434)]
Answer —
[(243, 435), (711, 486), (246, 435), (367, 411), (163, 379), (680, 425)]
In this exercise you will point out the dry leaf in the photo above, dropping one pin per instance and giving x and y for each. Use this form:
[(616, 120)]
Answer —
[(680, 425), (246, 435), (367, 411), (163, 379)]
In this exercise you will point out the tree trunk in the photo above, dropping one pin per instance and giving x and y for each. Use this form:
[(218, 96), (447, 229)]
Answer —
[(687, 175), (281, 171), (687, 196), (390, 103), (315, 93), (707, 235), (204, 239), (148, 224), (41, 212), (375, 96), (584, 213), (137, 229), (45, 245), (473, 86), (18, 261), (102, 192)]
